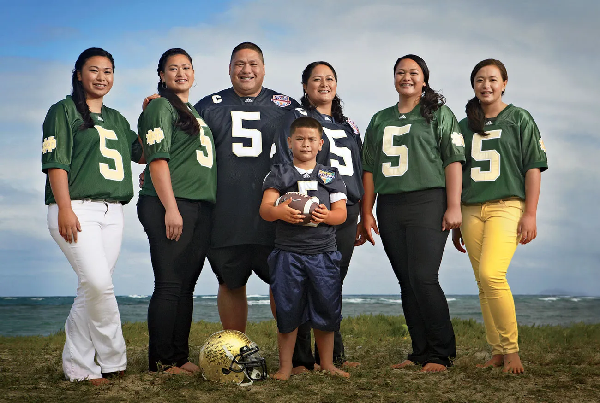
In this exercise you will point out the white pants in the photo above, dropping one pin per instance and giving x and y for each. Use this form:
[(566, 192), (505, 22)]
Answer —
[(94, 342)]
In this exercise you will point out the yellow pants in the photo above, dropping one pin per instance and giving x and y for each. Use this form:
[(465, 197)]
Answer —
[(489, 232)]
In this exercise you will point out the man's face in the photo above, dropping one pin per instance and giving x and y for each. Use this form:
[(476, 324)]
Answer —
[(247, 72)]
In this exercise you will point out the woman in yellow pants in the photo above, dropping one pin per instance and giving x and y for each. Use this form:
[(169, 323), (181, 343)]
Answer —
[(501, 188)]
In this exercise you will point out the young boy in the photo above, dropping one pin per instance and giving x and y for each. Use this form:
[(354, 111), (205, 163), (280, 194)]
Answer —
[(305, 274)]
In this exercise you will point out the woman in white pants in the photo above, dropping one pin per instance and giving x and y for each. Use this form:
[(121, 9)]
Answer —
[(86, 151)]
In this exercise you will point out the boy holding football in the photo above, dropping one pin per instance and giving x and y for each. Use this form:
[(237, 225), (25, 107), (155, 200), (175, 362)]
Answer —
[(305, 275)]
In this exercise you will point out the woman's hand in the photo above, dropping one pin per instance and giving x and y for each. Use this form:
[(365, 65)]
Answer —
[(174, 224), (368, 223), (148, 99), (68, 224), (452, 218), (457, 240), (527, 228)]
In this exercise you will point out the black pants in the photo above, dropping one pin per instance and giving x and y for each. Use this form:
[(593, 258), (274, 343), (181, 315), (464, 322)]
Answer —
[(345, 236), (176, 265), (410, 226)]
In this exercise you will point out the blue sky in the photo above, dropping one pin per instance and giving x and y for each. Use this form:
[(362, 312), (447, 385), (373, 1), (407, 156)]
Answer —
[(550, 50)]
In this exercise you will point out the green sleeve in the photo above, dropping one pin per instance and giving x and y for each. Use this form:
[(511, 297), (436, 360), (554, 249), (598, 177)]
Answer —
[(57, 140), (452, 144), (155, 127), (368, 150), (533, 149)]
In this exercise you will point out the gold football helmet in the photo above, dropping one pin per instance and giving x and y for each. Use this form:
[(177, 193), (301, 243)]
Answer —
[(230, 356)]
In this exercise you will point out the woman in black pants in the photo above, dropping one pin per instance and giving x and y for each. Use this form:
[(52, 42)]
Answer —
[(412, 158), (175, 207)]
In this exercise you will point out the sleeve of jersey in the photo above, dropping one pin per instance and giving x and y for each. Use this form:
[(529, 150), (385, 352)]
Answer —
[(368, 149), (452, 143), (532, 146), (273, 180), (281, 128), (155, 127), (136, 148), (336, 188), (57, 140)]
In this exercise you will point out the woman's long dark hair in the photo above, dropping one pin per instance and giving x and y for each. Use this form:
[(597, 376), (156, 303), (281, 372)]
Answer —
[(431, 100), (187, 121), (78, 93), (475, 114), (336, 103)]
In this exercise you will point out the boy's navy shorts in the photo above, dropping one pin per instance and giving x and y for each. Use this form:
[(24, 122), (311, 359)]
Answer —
[(306, 288)]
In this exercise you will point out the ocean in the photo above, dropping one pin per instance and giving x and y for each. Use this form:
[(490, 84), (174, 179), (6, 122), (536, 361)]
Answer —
[(41, 316)]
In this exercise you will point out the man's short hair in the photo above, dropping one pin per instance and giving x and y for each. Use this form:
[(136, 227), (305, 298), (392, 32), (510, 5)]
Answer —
[(306, 122), (247, 45)]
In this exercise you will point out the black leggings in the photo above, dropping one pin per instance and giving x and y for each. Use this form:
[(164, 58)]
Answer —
[(176, 265), (410, 226), (345, 236)]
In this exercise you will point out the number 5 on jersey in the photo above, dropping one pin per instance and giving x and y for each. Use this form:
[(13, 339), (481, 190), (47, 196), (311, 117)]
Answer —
[(391, 150), (238, 130)]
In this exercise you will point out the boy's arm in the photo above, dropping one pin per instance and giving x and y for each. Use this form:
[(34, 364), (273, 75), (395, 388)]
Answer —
[(335, 216), (269, 212)]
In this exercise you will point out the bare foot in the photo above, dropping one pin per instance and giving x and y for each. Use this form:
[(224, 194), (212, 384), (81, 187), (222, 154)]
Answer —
[(333, 370), (300, 369), (433, 367), (403, 364), (350, 364), (190, 367), (496, 361), (283, 375), (512, 364), (177, 371), (99, 381)]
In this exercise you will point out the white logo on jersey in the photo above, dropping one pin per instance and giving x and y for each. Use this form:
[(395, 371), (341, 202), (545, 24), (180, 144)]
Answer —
[(457, 139), (489, 122), (154, 136), (542, 146), (402, 117), (301, 111), (248, 100), (48, 144), (327, 118), (216, 99), (100, 118)]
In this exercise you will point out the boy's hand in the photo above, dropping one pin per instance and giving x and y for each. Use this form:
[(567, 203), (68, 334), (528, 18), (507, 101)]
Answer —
[(288, 214), (320, 214)]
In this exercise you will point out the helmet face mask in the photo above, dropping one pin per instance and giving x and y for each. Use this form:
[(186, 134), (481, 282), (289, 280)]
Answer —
[(230, 356)]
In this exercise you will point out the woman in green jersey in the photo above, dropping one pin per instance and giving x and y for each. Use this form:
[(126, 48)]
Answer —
[(412, 158), (86, 151), (501, 189), (175, 207)]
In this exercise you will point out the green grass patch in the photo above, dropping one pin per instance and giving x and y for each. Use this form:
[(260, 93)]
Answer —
[(562, 364)]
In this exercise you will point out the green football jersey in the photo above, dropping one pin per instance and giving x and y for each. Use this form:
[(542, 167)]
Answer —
[(97, 159), (497, 163), (191, 158), (405, 153)]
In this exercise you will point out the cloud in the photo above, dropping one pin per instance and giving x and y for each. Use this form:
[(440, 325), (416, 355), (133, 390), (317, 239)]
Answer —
[(552, 58)]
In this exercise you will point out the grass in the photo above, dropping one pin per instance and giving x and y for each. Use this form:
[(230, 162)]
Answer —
[(562, 365)]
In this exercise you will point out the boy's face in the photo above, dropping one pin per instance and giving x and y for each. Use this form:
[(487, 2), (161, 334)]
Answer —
[(305, 144)]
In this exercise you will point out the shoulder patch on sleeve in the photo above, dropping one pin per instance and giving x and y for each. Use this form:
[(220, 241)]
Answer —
[(326, 175), (353, 125), (458, 139), (49, 144), (542, 146), (281, 100)]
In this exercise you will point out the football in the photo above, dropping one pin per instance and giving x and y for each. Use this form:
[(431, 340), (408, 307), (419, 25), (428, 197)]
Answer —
[(302, 202)]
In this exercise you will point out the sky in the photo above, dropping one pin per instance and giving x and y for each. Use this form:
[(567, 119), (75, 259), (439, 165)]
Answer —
[(550, 49)]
